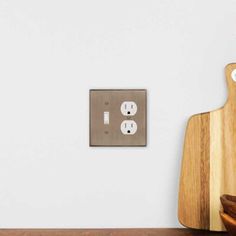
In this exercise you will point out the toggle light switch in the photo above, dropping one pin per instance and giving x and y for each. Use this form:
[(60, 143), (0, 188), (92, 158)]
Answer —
[(106, 117)]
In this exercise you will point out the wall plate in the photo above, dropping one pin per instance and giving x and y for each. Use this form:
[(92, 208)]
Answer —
[(118, 117)]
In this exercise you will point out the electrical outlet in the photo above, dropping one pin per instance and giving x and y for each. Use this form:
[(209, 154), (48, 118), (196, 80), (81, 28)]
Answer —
[(128, 108), (118, 117), (128, 127)]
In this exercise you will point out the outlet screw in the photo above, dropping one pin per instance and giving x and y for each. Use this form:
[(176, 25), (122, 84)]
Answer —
[(106, 103), (106, 132)]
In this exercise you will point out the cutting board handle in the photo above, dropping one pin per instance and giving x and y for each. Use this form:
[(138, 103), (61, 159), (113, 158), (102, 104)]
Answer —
[(230, 72)]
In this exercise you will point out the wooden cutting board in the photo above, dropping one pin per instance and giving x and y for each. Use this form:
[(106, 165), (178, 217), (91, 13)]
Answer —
[(209, 162)]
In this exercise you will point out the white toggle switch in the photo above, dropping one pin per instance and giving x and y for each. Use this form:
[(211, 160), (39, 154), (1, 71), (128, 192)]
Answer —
[(106, 117)]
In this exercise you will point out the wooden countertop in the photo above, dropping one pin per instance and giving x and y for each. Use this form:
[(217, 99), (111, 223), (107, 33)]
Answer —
[(106, 232)]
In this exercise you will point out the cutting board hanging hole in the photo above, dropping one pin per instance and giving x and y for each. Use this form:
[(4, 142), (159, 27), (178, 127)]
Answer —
[(233, 75)]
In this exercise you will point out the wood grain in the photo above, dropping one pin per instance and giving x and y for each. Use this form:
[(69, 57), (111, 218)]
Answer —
[(209, 163), (215, 169), (106, 232)]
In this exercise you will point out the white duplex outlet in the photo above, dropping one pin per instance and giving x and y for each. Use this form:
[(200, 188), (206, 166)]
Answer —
[(128, 127), (128, 108)]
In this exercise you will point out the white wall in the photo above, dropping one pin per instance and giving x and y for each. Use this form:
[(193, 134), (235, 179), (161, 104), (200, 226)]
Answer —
[(51, 53)]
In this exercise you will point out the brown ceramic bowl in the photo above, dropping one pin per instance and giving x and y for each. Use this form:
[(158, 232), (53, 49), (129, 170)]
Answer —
[(229, 223), (229, 204)]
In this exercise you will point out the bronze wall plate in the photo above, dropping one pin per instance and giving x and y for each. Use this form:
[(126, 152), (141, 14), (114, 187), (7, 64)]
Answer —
[(106, 117)]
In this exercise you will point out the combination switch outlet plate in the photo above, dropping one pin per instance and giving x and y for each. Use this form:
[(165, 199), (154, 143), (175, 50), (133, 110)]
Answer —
[(118, 117)]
